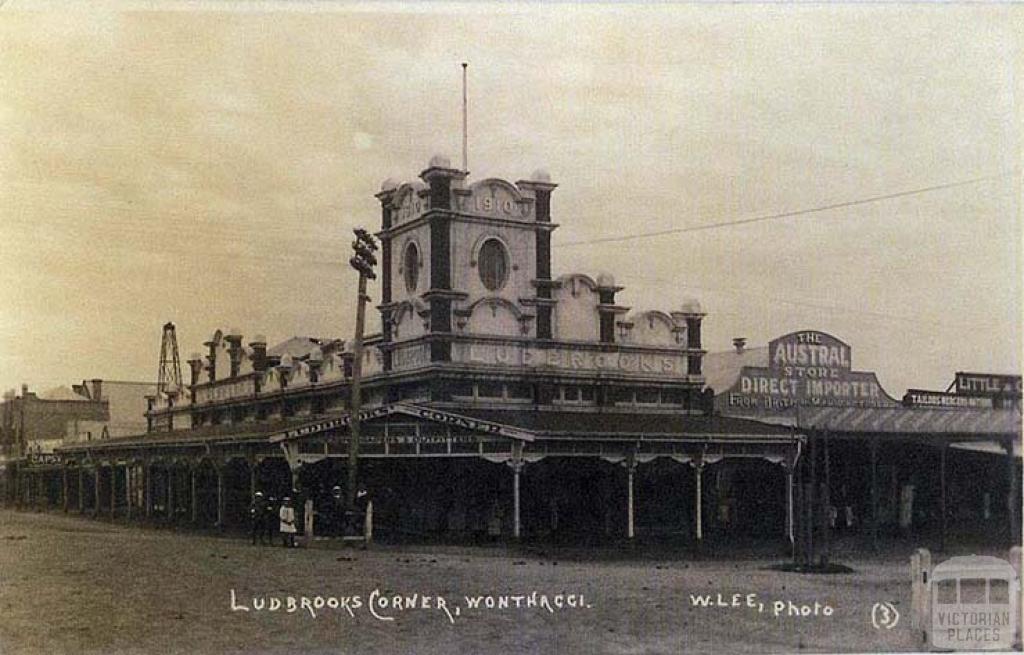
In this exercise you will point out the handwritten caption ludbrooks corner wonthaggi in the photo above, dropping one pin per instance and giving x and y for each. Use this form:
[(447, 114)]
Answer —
[(385, 606)]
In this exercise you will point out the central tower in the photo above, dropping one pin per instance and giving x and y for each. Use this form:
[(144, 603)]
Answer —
[(461, 258)]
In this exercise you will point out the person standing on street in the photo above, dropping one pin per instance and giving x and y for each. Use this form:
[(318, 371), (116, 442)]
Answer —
[(270, 519), (257, 515), (287, 517), (337, 512)]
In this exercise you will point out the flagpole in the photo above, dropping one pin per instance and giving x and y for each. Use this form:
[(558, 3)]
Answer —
[(465, 121)]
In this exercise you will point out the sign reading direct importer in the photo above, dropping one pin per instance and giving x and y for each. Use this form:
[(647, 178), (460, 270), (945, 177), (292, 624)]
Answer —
[(805, 368)]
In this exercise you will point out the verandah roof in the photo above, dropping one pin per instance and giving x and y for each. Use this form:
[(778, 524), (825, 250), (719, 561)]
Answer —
[(227, 433), (523, 424), (620, 424), (907, 420)]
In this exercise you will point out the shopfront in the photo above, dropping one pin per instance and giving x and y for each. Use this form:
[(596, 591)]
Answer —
[(937, 464)]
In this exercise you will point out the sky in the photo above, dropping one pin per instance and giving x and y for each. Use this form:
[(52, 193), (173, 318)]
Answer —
[(205, 165)]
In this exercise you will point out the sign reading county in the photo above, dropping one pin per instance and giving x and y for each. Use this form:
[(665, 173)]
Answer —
[(805, 369), (436, 416)]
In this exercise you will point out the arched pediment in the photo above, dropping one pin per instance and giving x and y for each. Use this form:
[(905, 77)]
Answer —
[(576, 315), (333, 368), (498, 182), (222, 364), (651, 328), (215, 340), (245, 361), (406, 308), (495, 316), (496, 198), (407, 204), (407, 315), (651, 317), (573, 281), (496, 302), (299, 375), (409, 319), (272, 379), (404, 190)]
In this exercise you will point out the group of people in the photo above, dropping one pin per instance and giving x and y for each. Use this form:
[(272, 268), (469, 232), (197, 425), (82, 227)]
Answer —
[(267, 517)]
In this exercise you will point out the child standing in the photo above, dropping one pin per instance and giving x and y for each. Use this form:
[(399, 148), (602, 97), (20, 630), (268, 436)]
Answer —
[(287, 517)]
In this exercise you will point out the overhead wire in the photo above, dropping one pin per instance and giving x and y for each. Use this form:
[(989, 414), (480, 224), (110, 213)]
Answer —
[(781, 215), (790, 214), (326, 252)]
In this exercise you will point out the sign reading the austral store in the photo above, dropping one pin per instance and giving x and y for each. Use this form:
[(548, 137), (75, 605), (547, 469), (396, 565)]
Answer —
[(805, 369)]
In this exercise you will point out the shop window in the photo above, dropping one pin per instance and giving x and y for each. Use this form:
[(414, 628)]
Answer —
[(574, 395), (493, 264), (462, 389), (520, 392), (489, 390), (671, 397), (623, 396), (647, 396), (411, 266)]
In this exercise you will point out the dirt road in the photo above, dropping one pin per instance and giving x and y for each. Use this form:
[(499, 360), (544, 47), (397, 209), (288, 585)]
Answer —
[(71, 585)]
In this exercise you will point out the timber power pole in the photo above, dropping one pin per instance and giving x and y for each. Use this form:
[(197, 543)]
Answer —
[(364, 262)]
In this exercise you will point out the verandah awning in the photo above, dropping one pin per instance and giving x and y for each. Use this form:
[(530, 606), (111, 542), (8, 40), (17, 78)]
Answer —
[(521, 424), (907, 420), (528, 424)]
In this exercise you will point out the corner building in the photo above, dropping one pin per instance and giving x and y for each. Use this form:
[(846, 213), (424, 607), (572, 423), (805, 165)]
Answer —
[(468, 295), (498, 400)]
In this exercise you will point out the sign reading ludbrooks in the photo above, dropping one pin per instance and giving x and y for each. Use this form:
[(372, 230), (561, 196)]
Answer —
[(805, 368)]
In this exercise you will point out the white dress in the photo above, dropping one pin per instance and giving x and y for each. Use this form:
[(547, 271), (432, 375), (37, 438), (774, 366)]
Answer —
[(287, 516)]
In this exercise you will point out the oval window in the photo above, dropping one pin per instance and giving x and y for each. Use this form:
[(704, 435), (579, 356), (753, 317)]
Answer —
[(411, 266), (493, 264)]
